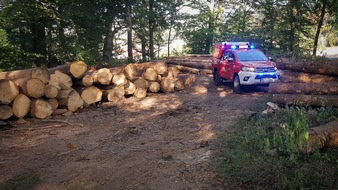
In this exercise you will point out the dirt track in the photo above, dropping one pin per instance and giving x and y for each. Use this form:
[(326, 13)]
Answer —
[(165, 141)]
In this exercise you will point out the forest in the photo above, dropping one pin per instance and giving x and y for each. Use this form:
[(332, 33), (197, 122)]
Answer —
[(51, 32)]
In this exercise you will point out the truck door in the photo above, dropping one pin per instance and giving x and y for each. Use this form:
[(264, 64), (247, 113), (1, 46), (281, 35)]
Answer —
[(228, 65)]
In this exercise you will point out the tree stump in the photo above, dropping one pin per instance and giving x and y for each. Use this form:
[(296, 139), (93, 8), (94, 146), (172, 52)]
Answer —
[(8, 91), (21, 106)]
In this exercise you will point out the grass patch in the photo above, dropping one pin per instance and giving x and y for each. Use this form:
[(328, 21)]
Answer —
[(262, 152)]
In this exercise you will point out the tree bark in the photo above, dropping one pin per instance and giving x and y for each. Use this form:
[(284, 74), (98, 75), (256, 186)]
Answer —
[(37, 72), (130, 35), (21, 106), (194, 64), (151, 29), (319, 26), (8, 91), (304, 88), (321, 136), (293, 76), (325, 68), (306, 100)]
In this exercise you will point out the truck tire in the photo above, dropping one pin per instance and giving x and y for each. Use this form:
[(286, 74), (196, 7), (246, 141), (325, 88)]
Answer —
[(237, 85), (217, 79)]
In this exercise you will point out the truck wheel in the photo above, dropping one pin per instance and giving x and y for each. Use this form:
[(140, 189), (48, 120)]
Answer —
[(217, 80), (237, 85)]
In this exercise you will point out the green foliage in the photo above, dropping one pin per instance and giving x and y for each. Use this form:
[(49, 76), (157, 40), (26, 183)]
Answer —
[(263, 152)]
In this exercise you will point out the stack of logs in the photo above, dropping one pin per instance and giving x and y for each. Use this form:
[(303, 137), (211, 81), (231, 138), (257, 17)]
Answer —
[(192, 63), (306, 83), (41, 92)]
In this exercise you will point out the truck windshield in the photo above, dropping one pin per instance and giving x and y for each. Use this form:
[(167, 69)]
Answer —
[(251, 56)]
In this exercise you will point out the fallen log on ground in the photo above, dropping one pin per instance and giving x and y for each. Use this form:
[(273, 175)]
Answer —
[(293, 76), (317, 67), (304, 88), (194, 64), (321, 136), (306, 100)]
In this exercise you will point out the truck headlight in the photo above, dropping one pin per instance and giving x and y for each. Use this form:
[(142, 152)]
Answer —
[(248, 69)]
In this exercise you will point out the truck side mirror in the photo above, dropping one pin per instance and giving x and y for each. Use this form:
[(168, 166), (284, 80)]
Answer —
[(271, 59), (230, 59)]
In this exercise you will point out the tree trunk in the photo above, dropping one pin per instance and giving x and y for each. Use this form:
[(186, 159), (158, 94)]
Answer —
[(321, 136), (306, 100), (6, 112), (33, 88), (8, 91), (304, 88), (40, 109), (78, 69), (69, 99), (292, 76), (151, 29), (130, 35), (108, 43), (39, 42), (319, 26), (293, 23), (21, 106), (91, 95)]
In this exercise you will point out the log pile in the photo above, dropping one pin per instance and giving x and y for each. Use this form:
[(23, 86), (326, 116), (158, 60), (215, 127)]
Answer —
[(192, 63), (306, 83), (41, 92)]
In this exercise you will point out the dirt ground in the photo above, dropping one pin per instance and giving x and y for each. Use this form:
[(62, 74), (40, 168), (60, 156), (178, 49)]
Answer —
[(165, 141)]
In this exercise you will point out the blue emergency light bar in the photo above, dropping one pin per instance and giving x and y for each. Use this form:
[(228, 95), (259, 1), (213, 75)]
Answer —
[(238, 45)]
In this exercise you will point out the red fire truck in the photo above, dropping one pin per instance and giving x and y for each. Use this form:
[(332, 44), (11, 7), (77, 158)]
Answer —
[(241, 63)]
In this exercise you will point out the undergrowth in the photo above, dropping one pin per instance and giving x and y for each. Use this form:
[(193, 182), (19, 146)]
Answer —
[(263, 152)]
